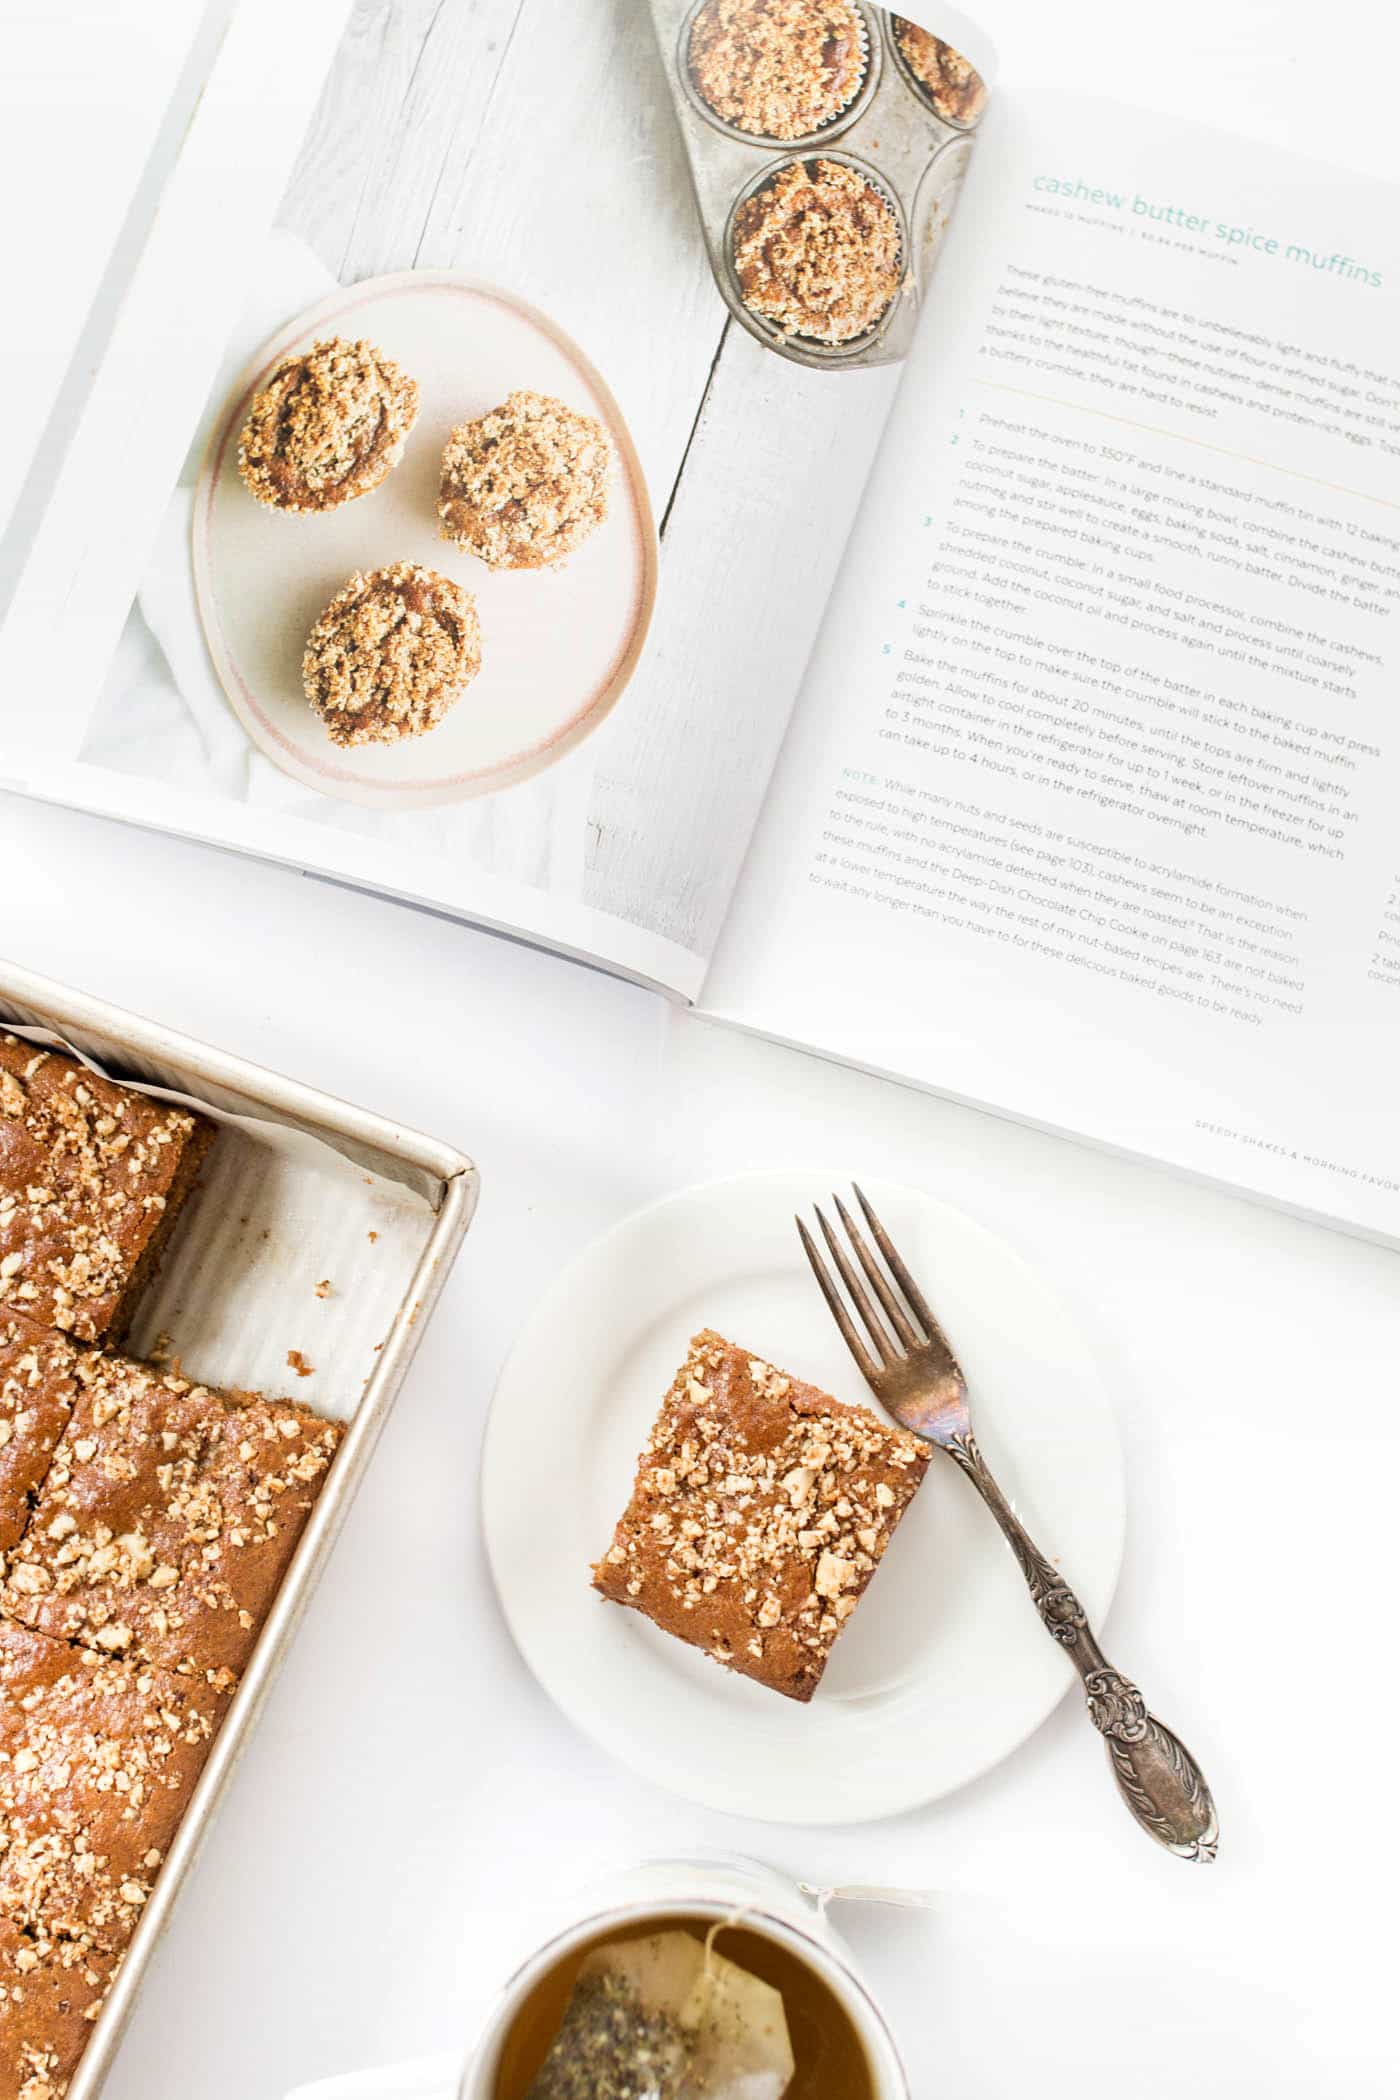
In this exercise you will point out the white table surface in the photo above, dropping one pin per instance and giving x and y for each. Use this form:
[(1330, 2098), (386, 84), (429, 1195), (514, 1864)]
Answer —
[(411, 1792)]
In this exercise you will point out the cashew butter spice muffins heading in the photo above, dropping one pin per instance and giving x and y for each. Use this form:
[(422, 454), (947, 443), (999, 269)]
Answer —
[(327, 427)]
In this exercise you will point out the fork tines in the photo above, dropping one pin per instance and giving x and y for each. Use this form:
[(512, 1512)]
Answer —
[(907, 1324)]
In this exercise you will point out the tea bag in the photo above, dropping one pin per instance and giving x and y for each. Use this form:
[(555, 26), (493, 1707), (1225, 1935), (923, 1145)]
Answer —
[(666, 2018)]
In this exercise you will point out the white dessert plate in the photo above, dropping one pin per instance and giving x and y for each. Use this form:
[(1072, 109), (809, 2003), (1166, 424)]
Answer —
[(558, 645), (944, 1668)]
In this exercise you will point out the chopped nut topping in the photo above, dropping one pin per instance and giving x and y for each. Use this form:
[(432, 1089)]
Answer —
[(817, 251), (326, 427), (756, 1520), (524, 486), (167, 1517), (953, 85), (777, 69), (98, 1759), (391, 655), (90, 1174)]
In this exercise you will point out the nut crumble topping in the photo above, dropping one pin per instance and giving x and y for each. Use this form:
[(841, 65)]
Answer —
[(761, 1509), (98, 1758), (92, 1176), (52, 1986), (817, 251), (953, 85), (327, 426), (523, 486), (391, 654), (145, 1526), (777, 69), (37, 1391), (167, 1519)]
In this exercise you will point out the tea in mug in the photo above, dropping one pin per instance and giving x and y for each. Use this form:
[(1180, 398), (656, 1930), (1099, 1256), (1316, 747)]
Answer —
[(681, 2007)]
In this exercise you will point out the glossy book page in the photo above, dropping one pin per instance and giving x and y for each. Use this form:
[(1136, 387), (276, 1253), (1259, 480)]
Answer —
[(1087, 812)]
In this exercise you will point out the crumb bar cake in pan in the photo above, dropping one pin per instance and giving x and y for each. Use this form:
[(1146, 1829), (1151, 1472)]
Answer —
[(146, 1523)]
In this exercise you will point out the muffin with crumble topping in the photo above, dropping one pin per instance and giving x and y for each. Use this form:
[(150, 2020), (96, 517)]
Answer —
[(391, 654), (951, 83), (327, 426), (777, 69), (524, 485), (818, 252)]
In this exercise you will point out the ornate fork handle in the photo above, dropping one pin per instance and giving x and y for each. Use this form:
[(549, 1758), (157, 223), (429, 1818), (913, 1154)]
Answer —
[(1157, 1776)]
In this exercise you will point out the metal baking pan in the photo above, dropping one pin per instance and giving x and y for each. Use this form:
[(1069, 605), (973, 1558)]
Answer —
[(288, 1158), (888, 132)]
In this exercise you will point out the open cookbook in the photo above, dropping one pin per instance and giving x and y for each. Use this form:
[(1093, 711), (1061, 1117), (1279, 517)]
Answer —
[(979, 663)]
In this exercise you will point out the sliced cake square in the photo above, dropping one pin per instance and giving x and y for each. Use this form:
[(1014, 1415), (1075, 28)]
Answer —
[(761, 1510), (98, 1760), (51, 1991), (167, 1519), (37, 1391), (92, 1178)]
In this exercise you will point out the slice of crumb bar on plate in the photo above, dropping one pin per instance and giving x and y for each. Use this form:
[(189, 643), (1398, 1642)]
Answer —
[(761, 1510)]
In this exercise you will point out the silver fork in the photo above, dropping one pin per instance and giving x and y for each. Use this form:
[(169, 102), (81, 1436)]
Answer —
[(915, 1375)]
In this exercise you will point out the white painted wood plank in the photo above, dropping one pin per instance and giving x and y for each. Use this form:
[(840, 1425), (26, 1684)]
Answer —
[(751, 549), (577, 196), (411, 82)]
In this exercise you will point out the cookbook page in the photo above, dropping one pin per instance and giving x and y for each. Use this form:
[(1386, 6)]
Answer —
[(506, 519), (1088, 810)]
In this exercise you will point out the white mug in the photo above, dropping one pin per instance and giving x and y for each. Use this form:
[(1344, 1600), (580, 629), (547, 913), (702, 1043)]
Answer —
[(742, 1890)]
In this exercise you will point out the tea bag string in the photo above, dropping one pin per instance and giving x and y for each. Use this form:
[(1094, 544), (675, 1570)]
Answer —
[(731, 1923)]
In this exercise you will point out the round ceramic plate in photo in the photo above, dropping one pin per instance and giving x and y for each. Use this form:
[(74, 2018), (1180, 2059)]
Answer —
[(944, 1667), (558, 645)]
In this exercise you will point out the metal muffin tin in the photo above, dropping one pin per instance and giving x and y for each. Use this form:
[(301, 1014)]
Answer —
[(888, 133), (439, 1178)]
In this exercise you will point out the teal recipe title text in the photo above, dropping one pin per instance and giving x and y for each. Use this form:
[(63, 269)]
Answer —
[(1077, 191)]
